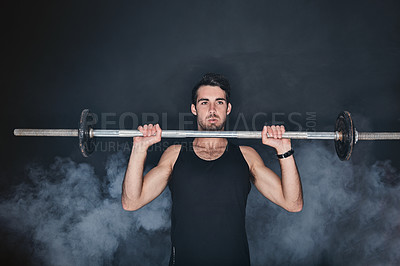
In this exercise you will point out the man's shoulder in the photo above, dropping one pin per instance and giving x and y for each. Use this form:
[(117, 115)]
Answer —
[(247, 150), (173, 149), (170, 155), (251, 156)]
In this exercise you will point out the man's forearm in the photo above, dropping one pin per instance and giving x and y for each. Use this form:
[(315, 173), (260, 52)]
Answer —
[(291, 184)]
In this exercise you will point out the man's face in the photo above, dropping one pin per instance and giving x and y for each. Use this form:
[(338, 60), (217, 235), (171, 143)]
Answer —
[(211, 108)]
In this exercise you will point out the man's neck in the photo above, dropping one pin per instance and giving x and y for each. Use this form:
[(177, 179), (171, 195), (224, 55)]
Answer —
[(210, 143)]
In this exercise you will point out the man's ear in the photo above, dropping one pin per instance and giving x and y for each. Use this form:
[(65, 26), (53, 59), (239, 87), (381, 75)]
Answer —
[(193, 109), (229, 109)]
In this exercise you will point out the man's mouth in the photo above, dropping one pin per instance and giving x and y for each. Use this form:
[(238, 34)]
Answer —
[(212, 120)]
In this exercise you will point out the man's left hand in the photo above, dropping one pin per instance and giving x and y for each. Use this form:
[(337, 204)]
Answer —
[(275, 140)]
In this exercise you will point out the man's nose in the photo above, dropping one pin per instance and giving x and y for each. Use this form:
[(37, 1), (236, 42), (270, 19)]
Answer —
[(211, 108)]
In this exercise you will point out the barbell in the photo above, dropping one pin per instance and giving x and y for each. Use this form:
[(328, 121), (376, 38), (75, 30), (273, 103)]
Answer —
[(345, 134)]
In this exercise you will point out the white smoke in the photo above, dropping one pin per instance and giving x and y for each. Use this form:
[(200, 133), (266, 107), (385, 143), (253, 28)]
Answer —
[(350, 217), (72, 219), (70, 216)]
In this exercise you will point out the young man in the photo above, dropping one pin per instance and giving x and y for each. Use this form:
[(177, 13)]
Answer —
[(210, 181)]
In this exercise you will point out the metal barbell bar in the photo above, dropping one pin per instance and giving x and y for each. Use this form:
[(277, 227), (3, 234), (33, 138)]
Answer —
[(171, 134), (345, 134)]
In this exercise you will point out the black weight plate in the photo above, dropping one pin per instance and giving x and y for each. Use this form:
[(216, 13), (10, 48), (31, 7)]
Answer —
[(344, 147), (86, 143)]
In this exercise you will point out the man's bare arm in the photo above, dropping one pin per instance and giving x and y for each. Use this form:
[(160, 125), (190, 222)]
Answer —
[(285, 191), (137, 190)]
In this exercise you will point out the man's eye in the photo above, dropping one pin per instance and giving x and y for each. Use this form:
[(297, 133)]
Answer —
[(203, 103), (220, 102)]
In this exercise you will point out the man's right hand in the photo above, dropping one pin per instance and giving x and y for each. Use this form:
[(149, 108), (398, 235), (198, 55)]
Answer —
[(151, 135)]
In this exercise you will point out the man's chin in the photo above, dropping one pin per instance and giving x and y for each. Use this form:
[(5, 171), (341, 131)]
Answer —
[(213, 128)]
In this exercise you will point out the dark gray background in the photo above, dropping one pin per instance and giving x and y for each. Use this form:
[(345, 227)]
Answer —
[(145, 56)]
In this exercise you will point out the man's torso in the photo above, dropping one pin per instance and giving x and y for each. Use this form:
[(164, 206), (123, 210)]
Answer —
[(208, 211)]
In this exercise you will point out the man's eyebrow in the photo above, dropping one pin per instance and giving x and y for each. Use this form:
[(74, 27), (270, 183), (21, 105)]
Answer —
[(205, 99), (202, 99)]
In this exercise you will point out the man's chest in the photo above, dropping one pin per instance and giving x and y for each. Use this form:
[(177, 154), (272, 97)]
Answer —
[(209, 154)]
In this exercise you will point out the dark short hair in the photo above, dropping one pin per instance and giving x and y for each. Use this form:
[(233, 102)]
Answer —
[(212, 79)]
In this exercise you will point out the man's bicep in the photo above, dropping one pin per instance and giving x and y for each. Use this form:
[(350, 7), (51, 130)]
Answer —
[(155, 181)]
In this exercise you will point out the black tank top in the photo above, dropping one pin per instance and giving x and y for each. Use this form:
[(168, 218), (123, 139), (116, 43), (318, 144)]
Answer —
[(208, 208)]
